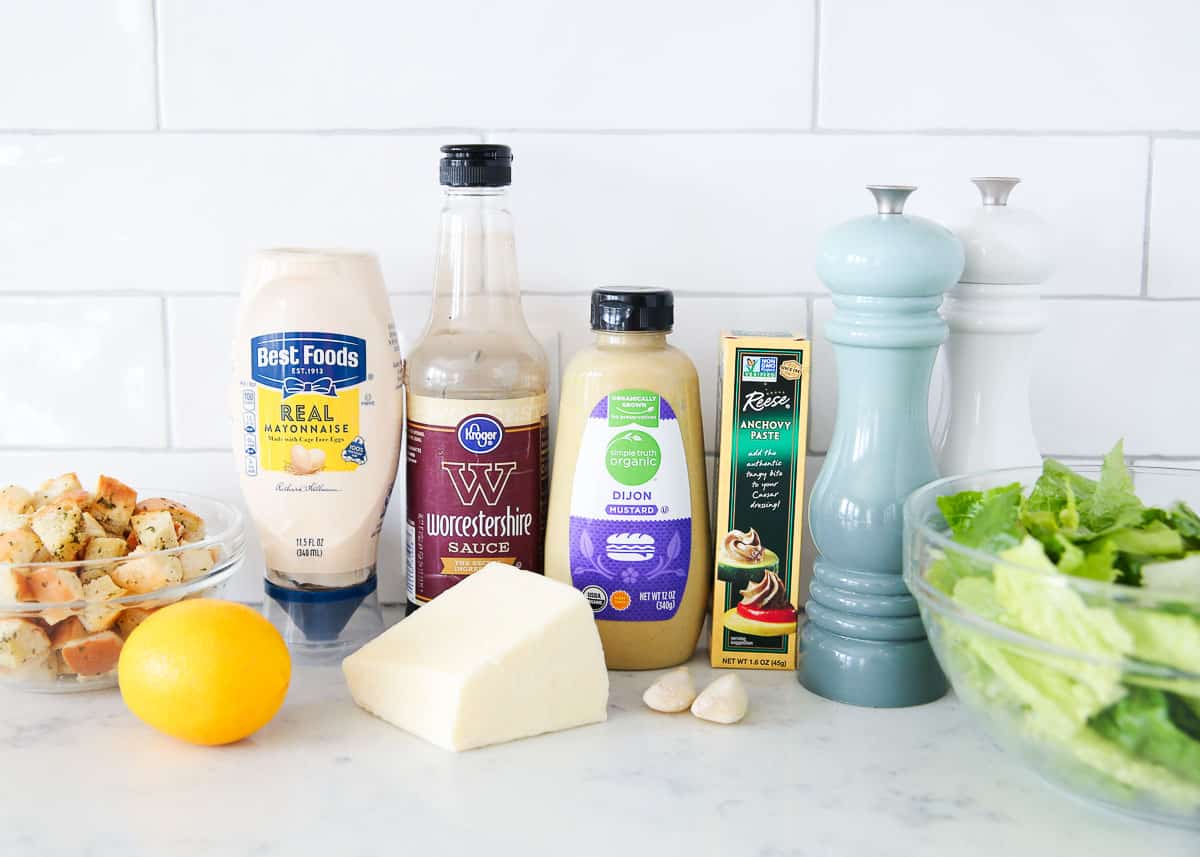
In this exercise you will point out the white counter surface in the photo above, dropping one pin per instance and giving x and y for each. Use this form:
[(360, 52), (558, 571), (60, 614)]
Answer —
[(800, 776)]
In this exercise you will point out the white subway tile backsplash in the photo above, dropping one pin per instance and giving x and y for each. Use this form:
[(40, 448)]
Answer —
[(743, 214), (530, 63), (182, 213), (82, 372), (1113, 369), (1063, 64), (69, 66), (200, 331), (699, 320), (1175, 212), (1103, 370)]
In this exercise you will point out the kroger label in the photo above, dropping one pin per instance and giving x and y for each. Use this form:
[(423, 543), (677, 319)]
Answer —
[(308, 362), (480, 434)]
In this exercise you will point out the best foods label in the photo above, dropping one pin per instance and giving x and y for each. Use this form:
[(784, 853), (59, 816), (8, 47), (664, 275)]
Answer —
[(630, 525), (304, 417)]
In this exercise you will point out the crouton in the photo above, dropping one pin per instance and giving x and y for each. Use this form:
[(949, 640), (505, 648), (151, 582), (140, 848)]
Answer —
[(14, 585), (98, 616), (80, 498), (42, 670), (91, 528), (142, 574), (60, 527), (16, 505), (54, 585), (51, 489), (130, 618), (94, 573), (197, 562), (22, 642), (105, 547), (155, 530), (93, 655), (19, 546), (192, 524), (65, 631), (113, 505)]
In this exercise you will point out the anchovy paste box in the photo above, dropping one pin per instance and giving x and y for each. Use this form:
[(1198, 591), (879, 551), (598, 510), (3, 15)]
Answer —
[(763, 422)]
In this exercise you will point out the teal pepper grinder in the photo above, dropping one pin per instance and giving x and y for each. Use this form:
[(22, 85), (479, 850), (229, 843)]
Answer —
[(863, 642)]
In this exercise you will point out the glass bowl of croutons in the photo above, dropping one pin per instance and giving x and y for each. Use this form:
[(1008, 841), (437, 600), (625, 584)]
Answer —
[(80, 570)]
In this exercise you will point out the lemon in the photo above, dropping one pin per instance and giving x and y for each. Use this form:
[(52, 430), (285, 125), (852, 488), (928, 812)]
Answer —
[(205, 671)]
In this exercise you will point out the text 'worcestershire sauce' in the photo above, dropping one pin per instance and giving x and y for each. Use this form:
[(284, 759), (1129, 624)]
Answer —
[(476, 425)]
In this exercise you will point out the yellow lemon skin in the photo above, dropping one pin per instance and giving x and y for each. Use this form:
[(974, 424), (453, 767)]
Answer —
[(206, 671)]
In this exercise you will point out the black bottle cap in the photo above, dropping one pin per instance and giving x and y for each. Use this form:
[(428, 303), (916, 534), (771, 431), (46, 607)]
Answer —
[(633, 309), (476, 165)]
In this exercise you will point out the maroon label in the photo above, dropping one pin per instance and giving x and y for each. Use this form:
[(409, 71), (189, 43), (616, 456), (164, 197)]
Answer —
[(476, 489)]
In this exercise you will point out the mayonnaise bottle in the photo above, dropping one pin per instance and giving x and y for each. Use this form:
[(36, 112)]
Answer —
[(629, 508), (317, 411)]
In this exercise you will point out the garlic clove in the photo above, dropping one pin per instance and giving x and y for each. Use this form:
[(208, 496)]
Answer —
[(723, 701), (673, 691)]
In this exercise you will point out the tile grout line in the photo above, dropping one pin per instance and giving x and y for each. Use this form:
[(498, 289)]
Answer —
[(179, 450), (105, 294), (158, 77), (815, 108), (1150, 147), (427, 131), (168, 372)]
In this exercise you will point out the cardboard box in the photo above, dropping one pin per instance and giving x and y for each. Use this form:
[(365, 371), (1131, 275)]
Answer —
[(763, 424)]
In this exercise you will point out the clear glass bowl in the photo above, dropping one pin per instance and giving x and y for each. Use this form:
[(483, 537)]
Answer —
[(225, 542), (1024, 688)]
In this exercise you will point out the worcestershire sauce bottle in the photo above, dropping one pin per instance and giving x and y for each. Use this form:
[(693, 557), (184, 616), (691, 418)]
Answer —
[(477, 380)]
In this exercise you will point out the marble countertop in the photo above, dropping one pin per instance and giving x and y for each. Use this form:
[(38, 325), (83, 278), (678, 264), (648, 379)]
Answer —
[(800, 776)]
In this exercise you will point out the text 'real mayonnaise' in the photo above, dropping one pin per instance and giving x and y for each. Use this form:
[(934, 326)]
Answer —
[(317, 411)]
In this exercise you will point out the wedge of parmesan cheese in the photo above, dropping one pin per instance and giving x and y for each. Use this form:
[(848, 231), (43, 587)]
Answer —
[(504, 654)]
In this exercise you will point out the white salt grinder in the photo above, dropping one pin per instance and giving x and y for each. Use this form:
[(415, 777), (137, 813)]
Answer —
[(994, 313)]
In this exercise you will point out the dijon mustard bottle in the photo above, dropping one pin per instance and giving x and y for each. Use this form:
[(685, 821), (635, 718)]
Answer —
[(629, 501)]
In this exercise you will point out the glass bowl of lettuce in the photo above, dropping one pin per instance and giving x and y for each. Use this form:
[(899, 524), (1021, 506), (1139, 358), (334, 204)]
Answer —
[(1064, 606)]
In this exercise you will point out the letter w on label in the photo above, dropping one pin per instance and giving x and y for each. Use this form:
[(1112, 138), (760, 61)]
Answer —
[(476, 481)]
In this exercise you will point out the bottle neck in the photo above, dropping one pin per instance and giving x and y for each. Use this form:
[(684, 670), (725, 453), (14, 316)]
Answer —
[(476, 284), (639, 341)]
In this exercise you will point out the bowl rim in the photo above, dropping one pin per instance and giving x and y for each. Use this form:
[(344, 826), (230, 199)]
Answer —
[(1113, 591), (231, 537)]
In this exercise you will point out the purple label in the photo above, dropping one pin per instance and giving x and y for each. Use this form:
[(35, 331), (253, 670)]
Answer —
[(631, 509), (631, 570)]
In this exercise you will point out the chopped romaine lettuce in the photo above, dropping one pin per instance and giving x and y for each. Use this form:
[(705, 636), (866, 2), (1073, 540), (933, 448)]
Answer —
[(1170, 639), (1177, 575), (1154, 726)]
